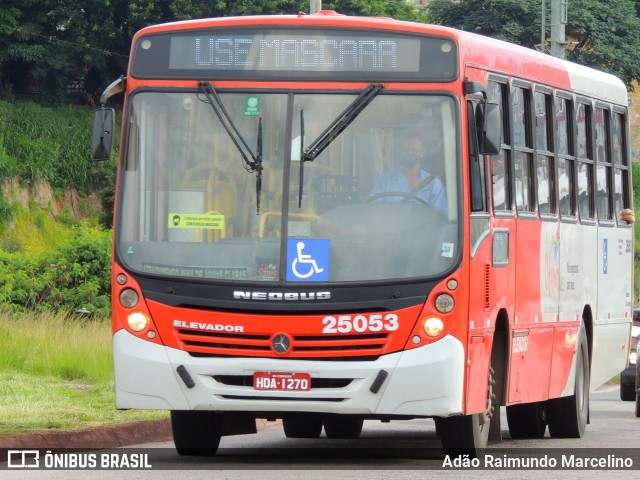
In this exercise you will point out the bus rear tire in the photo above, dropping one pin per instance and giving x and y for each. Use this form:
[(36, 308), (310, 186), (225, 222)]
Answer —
[(627, 392), (526, 420), (196, 432), (343, 426), (306, 425), (567, 416)]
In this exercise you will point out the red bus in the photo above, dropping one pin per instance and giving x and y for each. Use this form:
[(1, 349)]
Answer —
[(327, 219)]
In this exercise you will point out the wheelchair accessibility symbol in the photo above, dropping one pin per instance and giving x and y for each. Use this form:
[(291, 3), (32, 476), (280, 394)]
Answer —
[(307, 260)]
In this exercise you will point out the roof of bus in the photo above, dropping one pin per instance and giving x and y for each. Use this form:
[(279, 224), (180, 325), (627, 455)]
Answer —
[(511, 59), (476, 50)]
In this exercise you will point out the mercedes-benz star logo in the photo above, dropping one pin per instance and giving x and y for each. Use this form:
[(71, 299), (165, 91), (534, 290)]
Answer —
[(281, 343)]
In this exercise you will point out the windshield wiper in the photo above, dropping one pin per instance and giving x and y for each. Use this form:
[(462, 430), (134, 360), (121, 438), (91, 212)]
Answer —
[(301, 178), (341, 122), (258, 162), (250, 161)]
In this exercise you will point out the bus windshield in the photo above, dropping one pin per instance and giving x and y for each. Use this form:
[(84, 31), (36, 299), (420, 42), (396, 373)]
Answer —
[(379, 202)]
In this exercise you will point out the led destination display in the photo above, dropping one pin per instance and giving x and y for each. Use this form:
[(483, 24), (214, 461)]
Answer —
[(295, 54), (277, 52)]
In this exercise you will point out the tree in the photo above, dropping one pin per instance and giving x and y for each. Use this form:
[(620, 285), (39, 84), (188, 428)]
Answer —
[(41, 52), (398, 9), (607, 32), (90, 39), (516, 21), (608, 35)]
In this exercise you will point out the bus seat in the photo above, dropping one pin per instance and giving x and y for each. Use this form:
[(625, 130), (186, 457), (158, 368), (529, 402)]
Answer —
[(197, 177), (269, 216)]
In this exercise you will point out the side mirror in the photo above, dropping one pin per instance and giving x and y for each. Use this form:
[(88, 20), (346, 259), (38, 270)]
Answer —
[(489, 127), (102, 140)]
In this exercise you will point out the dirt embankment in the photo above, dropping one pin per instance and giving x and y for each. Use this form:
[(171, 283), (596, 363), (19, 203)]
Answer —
[(70, 202)]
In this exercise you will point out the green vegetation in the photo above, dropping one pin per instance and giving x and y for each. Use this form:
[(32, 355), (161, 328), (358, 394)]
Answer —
[(53, 144), (78, 47), (592, 40), (56, 373), (74, 275), (49, 263), (48, 143)]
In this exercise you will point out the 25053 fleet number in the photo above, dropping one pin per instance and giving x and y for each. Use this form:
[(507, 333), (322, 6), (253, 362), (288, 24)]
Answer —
[(376, 322)]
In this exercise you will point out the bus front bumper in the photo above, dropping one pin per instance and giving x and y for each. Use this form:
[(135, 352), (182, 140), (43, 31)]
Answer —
[(425, 381)]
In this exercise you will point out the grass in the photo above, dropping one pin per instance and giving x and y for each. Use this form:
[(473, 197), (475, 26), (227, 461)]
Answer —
[(56, 374)]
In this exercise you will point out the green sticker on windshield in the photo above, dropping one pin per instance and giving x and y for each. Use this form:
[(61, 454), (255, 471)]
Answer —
[(251, 106), (196, 220)]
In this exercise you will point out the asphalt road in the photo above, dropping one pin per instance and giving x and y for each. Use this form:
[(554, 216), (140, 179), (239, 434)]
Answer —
[(408, 449)]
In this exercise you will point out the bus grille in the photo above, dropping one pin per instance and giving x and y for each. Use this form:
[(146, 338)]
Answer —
[(335, 347)]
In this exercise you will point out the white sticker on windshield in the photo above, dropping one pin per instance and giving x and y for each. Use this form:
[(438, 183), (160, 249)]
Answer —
[(447, 250)]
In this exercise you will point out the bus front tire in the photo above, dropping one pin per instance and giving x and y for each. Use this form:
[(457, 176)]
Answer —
[(196, 432), (468, 435)]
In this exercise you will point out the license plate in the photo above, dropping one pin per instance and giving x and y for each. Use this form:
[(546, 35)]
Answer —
[(284, 381)]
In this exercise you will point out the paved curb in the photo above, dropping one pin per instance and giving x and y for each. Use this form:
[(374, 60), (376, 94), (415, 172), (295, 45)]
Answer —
[(93, 438)]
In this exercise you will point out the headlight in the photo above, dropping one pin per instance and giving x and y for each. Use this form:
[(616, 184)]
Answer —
[(633, 358), (433, 326), (137, 321)]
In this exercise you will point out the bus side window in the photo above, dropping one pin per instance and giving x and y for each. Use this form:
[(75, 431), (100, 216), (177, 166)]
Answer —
[(585, 161), (545, 166), (603, 169), (522, 148), (620, 159), (566, 156), (476, 165), (500, 172)]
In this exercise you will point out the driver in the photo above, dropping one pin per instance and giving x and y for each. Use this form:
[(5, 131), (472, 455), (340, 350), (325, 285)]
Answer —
[(409, 177)]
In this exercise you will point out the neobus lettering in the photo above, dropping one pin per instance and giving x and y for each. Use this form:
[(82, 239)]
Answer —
[(281, 296)]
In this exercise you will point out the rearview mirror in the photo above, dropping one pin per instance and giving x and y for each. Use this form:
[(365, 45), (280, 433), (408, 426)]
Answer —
[(489, 127), (102, 140)]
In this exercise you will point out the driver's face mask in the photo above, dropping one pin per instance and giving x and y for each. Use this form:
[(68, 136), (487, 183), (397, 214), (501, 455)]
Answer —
[(410, 159)]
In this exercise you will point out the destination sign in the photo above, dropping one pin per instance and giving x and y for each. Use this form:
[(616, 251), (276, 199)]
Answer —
[(310, 54), (307, 54)]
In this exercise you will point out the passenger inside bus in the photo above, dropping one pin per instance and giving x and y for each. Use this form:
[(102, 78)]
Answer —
[(409, 179)]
